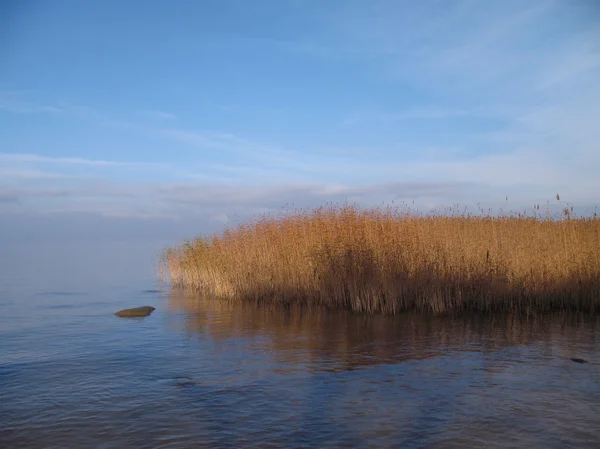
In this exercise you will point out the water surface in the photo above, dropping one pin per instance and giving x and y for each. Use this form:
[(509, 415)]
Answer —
[(204, 373)]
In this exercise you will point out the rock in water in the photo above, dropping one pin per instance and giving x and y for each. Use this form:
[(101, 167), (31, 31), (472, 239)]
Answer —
[(135, 312), (578, 360)]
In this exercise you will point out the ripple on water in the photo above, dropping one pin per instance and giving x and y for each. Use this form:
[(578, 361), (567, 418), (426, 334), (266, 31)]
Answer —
[(215, 374)]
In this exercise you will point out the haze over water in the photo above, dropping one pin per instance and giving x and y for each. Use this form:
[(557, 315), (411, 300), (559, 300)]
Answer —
[(204, 373)]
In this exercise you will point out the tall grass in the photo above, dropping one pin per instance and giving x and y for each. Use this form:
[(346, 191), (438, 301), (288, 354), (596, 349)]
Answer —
[(382, 260)]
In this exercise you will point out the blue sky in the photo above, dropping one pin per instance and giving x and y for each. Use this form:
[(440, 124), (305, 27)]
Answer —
[(204, 111)]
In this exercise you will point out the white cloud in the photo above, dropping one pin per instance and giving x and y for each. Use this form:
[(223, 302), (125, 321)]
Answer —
[(531, 70), (574, 59), (473, 49), (18, 173), (156, 115), (261, 155), (22, 158), (418, 113), (210, 200), (20, 107), (8, 197)]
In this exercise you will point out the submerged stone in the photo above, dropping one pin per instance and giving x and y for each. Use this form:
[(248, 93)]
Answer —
[(135, 312), (186, 381), (578, 360)]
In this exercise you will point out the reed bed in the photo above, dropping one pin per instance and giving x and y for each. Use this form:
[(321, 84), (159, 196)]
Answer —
[(388, 261)]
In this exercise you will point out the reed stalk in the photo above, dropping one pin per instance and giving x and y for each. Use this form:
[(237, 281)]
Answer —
[(388, 261)]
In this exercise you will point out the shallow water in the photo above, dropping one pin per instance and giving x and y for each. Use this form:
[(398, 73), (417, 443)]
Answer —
[(203, 373)]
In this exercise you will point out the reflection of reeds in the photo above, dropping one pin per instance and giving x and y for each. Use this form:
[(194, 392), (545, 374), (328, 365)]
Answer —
[(341, 340), (383, 261)]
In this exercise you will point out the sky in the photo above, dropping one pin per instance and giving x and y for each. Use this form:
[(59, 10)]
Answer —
[(135, 118)]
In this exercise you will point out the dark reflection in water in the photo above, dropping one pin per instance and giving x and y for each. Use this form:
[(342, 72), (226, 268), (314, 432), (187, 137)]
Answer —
[(317, 339), (411, 379), (206, 373)]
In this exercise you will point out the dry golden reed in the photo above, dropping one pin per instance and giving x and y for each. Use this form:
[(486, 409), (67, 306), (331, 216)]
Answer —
[(382, 260)]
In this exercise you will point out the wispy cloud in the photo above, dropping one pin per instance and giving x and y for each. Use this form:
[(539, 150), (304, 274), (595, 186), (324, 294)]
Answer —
[(577, 58), (35, 193), (156, 115), (181, 200), (236, 145), (20, 102), (28, 108), (442, 102), (20, 158), (462, 47), (8, 197), (27, 174), (420, 113)]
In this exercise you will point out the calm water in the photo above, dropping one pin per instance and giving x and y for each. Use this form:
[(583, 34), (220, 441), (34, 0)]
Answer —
[(200, 373)]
